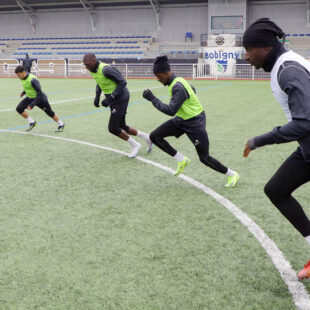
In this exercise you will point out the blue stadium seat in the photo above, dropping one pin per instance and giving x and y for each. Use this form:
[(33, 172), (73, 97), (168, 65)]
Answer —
[(188, 36), (123, 45)]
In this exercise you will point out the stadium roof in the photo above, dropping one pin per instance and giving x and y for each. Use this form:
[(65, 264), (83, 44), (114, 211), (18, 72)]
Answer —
[(31, 6)]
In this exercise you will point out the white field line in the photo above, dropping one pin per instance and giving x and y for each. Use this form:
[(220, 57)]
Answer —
[(298, 291)]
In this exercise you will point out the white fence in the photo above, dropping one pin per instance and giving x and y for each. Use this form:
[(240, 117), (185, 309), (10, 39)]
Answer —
[(76, 69), (237, 72)]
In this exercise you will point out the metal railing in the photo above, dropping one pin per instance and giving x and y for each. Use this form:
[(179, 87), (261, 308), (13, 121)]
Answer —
[(76, 69), (235, 72)]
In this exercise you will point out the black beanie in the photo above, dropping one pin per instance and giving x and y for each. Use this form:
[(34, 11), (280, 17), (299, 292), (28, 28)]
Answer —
[(262, 33), (161, 65)]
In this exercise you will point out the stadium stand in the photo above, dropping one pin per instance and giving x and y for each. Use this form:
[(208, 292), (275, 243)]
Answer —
[(73, 47), (175, 50), (125, 47), (299, 43)]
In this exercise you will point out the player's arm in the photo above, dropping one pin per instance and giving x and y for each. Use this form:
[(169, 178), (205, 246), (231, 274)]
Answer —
[(23, 93), (37, 87), (179, 95), (294, 80), (114, 75), (97, 98)]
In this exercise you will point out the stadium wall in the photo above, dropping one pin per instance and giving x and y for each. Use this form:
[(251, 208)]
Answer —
[(175, 22), (227, 9), (292, 18)]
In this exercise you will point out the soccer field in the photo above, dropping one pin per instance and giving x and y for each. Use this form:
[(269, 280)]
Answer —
[(83, 227)]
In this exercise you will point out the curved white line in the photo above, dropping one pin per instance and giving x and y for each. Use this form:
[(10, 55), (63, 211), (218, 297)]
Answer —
[(296, 288)]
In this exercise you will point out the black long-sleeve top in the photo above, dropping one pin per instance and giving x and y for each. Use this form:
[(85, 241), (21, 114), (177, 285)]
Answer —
[(294, 80), (179, 95)]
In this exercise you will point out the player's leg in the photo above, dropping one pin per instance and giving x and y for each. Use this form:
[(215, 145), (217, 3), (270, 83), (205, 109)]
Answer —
[(115, 127), (293, 173), (134, 132), (199, 138), (195, 129), (46, 107), (117, 121), (120, 107), (169, 129), (21, 109)]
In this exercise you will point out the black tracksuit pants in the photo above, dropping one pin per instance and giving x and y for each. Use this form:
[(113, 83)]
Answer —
[(42, 103), (195, 129), (293, 173)]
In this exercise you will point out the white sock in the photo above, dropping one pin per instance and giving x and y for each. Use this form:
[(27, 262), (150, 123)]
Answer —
[(308, 239), (143, 135), (30, 120), (230, 173), (178, 156), (60, 123), (132, 142)]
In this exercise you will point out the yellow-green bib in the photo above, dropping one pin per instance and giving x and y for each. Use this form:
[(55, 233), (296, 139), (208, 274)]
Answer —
[(191, 107), (108, 86), (29, 90)]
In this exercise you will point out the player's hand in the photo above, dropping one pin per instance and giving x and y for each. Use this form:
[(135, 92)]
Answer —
[(248, 147), (246, 151), (104, 103), (29, 107), (148, 95), (96, 102), (109, 99), (21, 95)]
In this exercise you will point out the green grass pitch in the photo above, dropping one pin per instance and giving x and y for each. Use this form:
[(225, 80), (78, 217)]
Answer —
[(84, 228)]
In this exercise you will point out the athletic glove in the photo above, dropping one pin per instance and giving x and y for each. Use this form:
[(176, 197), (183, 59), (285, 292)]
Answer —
[(107, 100), (104, 103), (148, 95), (96, 102)]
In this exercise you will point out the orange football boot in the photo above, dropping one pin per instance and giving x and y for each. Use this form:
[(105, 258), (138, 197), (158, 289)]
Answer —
[(305, 272)]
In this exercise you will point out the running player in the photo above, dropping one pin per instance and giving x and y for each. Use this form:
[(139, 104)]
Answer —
[(112, 83), (189, 118), (290, 83), (35, 97)]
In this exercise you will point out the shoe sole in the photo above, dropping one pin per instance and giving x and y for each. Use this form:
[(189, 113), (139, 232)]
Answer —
[(302, 277), (62, 129), (30, 128)]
